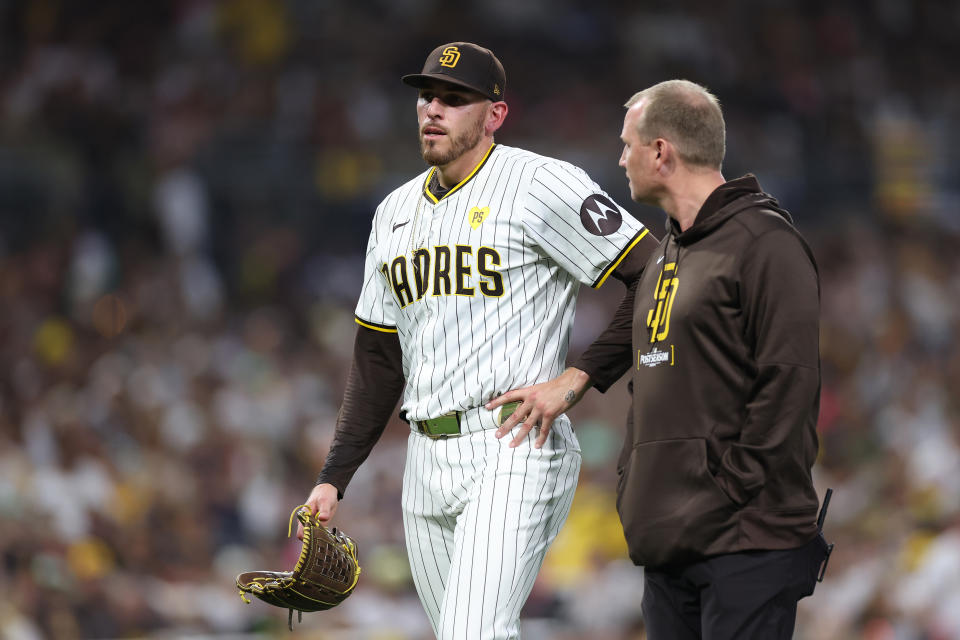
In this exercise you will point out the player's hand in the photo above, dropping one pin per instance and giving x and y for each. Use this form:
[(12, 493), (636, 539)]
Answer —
[(541, 404), (323, 503)]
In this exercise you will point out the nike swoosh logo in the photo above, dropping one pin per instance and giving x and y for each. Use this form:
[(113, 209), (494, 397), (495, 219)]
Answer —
[(400, 224), (660, 259)]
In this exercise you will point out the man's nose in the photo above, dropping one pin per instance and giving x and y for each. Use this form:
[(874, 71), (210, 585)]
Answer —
[(435, 108)]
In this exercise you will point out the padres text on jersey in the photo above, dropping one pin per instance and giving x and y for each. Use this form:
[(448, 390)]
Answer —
[(480, 284)]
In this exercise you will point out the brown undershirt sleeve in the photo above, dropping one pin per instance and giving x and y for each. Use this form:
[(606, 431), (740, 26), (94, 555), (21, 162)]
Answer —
[(610, 355), (374, 386)]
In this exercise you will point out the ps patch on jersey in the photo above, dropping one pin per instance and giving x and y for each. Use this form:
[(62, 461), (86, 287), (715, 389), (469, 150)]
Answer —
[(477, 215), (599, 215)]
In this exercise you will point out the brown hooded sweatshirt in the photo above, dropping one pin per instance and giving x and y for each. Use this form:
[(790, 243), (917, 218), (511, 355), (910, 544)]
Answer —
[(726, 383)]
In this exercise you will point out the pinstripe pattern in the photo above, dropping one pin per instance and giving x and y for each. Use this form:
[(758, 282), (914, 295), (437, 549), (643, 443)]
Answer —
[(488, 307), (479, 517), (462, 350)]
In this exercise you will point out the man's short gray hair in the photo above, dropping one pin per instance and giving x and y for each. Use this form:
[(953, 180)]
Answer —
[(687, 115)]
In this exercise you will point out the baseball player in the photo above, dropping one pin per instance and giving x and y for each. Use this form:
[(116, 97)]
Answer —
[(472, 270)]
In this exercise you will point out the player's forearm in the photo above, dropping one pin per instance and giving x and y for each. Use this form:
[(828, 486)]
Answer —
[(609, 356), (374, 386)]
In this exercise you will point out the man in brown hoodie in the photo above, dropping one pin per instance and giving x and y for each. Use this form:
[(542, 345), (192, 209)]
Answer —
[(715, 491)]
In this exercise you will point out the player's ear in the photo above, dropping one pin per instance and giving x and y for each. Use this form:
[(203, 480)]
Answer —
[(496, 114)]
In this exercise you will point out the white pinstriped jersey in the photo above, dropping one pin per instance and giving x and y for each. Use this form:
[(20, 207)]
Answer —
[(480, 285)]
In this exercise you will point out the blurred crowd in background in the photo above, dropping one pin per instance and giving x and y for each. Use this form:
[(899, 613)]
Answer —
[(186, 189)]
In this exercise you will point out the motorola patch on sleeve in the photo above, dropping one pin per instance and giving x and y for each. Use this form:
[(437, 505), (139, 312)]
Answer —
[(599, 215)]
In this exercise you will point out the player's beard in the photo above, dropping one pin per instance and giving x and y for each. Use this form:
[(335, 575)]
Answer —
[(458, 145)]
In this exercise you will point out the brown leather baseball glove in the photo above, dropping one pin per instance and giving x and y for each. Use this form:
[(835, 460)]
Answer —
[(325, 574)]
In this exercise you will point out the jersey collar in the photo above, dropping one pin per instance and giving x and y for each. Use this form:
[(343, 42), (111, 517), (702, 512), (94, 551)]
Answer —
[(426, 184)]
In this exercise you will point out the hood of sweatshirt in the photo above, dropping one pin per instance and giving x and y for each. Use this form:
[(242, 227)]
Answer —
[(725, 202)]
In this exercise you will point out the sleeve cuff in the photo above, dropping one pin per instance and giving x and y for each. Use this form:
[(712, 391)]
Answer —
[(384, 328)]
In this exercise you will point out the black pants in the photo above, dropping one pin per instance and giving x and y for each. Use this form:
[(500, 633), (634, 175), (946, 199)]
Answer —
[(742, 596)]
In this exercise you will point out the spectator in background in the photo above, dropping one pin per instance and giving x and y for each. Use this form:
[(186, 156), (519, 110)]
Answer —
[(853, 116)]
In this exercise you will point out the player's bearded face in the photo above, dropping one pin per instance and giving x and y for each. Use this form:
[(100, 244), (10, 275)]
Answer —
[(447, 148)]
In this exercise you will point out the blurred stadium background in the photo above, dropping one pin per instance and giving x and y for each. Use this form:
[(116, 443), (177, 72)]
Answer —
[(185, 194)]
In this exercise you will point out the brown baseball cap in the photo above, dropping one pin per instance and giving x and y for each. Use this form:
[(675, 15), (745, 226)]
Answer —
[(464, 64)]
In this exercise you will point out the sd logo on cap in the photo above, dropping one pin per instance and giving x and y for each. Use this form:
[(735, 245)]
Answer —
[(464, 64)]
